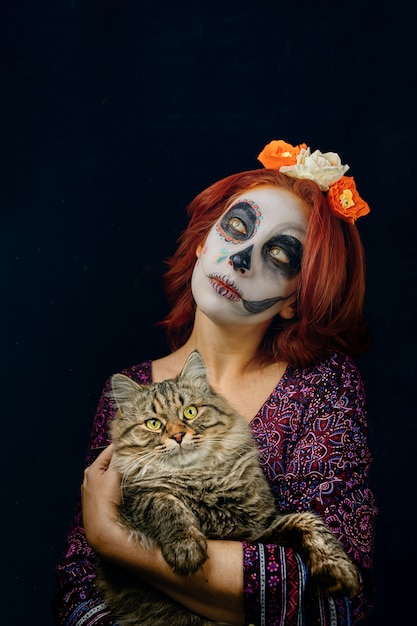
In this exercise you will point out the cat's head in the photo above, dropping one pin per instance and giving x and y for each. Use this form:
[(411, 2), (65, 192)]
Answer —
[(175, 423)]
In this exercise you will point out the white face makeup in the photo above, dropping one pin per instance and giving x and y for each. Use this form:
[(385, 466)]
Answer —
[(248, 268)]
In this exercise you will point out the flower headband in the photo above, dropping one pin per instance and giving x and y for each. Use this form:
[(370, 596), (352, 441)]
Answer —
[(325, 169)]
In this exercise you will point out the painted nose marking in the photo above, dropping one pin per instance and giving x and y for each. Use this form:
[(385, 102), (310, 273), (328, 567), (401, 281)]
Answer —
[(241, 261)]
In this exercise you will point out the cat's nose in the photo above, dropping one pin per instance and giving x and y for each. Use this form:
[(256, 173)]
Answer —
[(179, 436)]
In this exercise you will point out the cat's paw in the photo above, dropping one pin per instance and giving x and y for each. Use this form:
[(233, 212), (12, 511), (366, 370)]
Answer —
[(325, 557), (336, 575), (188, 554)]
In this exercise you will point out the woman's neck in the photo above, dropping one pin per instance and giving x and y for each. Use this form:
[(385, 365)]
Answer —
[(231, 356), (226, 350)]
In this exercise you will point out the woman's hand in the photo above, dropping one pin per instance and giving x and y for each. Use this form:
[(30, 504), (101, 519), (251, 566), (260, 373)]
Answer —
[(100, 495), (215, 591)]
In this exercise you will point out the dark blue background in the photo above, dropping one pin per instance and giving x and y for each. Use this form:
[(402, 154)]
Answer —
[(113, 116)]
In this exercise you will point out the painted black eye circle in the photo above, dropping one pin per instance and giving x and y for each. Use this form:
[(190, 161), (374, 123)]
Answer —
[(285, 253), (190, 412), (240, 221), (153, 424)]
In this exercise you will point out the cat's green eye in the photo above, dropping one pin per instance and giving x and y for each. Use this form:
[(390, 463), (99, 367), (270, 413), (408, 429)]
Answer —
[(153, 424), (190, 412)]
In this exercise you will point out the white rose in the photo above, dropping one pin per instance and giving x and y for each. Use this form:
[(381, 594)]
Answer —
[(325, 169)]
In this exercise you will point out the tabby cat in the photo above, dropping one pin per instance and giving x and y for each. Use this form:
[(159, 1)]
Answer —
[(190, 472)]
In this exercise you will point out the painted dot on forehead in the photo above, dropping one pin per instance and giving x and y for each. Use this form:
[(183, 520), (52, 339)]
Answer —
[(240, 221)]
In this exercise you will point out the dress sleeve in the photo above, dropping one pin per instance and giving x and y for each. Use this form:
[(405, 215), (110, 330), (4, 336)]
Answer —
[(320, 461), (76, 601)]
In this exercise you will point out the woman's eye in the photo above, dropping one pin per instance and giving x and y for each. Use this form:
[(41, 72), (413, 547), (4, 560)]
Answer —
[(190, 412), (238, 225), (279, 255), (153, 424)]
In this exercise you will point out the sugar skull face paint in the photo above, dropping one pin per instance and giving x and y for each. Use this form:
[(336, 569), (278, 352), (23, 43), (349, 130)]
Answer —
[(239, 222), (250, 262)]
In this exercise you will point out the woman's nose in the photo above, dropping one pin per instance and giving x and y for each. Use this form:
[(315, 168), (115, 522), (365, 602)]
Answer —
[(241, 261)]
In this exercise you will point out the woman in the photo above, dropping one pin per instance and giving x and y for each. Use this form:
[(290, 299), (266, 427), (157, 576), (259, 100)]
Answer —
[(268, 284)]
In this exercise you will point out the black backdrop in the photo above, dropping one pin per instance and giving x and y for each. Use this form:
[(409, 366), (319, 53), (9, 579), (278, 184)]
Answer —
[(114, 115)]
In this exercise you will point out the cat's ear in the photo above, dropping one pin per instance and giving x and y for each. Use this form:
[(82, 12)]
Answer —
[(194, 367), (123, 389)]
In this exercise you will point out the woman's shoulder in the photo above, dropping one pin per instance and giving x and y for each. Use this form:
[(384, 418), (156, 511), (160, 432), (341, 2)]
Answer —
[(141, 372), (155, 370), (336, 371)]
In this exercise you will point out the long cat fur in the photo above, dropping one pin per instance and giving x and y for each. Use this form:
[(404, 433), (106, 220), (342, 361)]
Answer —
[(190, 480)]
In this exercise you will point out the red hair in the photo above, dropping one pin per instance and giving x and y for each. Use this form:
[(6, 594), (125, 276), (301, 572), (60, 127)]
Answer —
[(329, 307)]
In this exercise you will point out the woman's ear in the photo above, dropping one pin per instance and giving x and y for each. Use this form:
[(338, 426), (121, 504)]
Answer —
[(290, 309), (198, 251)]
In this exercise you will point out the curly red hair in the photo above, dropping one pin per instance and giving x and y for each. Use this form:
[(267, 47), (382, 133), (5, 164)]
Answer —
[(329, 308)]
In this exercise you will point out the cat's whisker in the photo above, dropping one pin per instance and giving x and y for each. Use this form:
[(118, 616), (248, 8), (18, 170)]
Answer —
[(137, 469), (135, 465), (240, 450)]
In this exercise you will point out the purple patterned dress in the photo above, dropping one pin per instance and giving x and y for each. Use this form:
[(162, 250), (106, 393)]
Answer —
[(311, 434)]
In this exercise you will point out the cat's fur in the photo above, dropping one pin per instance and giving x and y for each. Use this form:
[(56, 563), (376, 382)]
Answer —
[(191, 480)]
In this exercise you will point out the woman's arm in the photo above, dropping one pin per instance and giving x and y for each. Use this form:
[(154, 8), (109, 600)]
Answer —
[(215, 591), (76, 599), (312, 437)]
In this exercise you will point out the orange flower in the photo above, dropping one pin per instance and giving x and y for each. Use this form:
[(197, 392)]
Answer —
[(278, 152), (346, 201)]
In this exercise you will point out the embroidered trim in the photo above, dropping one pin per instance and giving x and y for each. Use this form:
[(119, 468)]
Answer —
[(262, 582), (98, 611), (283, 560), (302, 577), (321, 607), (348, 613), (332, 612)]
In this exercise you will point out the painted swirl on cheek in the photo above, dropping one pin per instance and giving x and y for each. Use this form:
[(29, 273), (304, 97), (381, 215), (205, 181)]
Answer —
[(258, 306)]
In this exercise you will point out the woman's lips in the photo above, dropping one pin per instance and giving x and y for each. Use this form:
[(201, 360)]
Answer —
[(225, 287)]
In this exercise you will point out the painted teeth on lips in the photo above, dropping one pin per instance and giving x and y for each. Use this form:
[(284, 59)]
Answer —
[(225, 287)]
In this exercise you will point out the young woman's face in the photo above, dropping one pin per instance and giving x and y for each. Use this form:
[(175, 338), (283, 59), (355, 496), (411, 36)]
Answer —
[(247, 271)]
